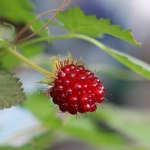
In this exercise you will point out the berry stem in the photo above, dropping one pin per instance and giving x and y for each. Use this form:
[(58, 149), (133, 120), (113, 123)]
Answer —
[(33, 65)]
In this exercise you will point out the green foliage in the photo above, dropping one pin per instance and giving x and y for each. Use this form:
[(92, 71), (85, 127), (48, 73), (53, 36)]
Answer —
[(20, 12), (133, 63), (45, 140), (80, 128), (119, 129), (11, 93), (76, 21), (132, 123)]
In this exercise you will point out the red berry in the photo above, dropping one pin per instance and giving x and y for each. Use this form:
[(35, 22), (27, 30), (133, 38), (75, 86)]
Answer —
[(76, 89)]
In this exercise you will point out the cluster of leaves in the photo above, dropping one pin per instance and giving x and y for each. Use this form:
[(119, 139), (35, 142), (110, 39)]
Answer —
[(77, 25)]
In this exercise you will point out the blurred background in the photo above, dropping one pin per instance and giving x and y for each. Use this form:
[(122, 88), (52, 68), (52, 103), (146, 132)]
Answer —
[(128, 94)]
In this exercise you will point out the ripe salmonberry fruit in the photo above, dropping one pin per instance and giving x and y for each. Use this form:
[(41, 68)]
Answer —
[(74, 87)]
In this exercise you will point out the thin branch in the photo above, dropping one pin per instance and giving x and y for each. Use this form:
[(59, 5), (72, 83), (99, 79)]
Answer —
[(30, 63), (64, 4), (28, 26)]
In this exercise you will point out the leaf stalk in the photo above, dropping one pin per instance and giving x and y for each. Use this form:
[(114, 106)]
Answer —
[(30, 63)]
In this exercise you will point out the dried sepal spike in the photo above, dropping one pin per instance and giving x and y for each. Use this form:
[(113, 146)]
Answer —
[(75, 89)]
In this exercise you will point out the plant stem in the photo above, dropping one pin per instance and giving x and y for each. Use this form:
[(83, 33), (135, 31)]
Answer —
[(50, 38), (134, 64), (129, 61), (33, 65), (91, 40), (43, 39)]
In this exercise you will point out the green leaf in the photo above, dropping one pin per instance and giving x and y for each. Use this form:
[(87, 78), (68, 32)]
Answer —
[(20, 12), (76, 21), (44, 140), (132, 123), (7, 148), (39, 105), (83, 128), (133, 63), (11, 92), (117, 72)]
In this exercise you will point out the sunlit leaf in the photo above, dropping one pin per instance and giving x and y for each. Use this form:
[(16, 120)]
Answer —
[(131, 62), (76, 21)]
